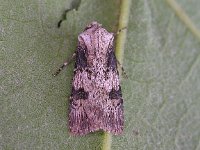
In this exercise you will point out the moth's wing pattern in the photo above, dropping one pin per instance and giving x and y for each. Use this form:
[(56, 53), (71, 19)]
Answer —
[(86, 116), (79, 123), (114, 115), (96, 100)]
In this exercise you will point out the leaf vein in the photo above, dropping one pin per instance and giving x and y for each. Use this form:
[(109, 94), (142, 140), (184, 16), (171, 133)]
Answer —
[(181, 14)]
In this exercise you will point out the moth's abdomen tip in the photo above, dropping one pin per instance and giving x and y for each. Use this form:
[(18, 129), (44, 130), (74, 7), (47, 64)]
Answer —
[(115, 131), (79, 132)]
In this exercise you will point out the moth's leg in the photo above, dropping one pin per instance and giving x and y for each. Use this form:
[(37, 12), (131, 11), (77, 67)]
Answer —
[(122, 68), (64, 65)]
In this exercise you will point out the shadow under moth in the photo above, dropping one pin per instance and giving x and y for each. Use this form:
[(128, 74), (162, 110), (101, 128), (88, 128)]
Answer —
[(96, 100)]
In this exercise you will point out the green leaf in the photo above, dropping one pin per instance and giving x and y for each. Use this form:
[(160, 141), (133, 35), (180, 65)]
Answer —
[(161, 58)]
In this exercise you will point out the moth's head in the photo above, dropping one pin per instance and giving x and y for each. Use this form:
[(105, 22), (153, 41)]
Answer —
[(95, 39), (94, 25)]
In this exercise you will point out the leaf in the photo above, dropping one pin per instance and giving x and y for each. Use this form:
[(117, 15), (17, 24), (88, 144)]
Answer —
[(162, 98), (161, 58)]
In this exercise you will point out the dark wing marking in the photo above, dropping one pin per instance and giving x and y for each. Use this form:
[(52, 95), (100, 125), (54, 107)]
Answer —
[(79, 94), (81, 60), (111, 59), (115, 94)]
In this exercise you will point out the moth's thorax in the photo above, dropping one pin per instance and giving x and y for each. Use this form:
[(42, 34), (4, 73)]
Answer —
[(96, 41)]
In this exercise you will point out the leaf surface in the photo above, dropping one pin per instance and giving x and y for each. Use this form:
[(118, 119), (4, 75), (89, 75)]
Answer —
[(161, 58)]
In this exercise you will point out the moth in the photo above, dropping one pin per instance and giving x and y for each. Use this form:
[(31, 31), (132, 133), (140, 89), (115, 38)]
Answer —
[(96, 101)]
